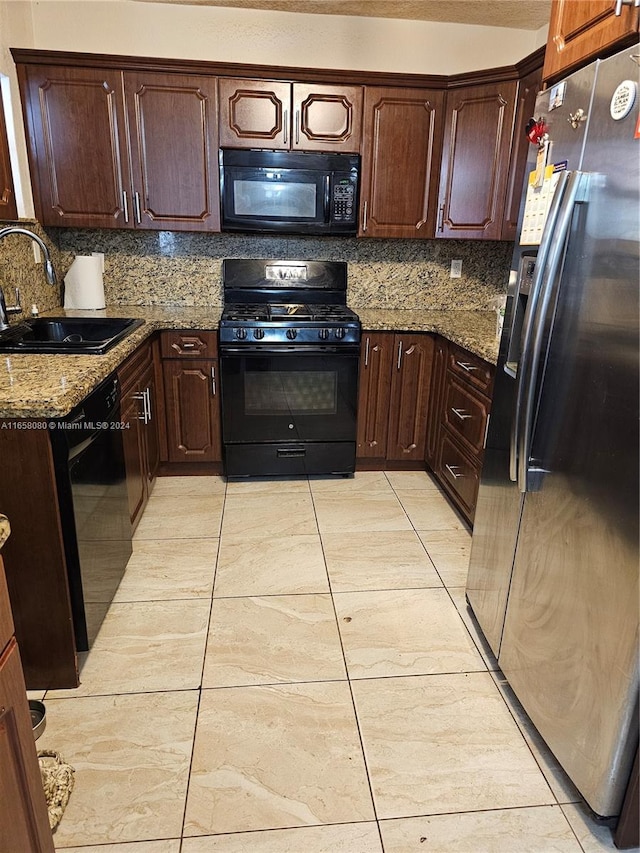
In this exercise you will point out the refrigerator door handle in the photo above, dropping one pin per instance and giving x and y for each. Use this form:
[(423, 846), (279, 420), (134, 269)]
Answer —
[(575, 193), (527, 324)]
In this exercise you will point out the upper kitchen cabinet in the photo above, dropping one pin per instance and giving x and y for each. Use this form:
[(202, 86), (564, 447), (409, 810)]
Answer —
[(400, 157), (582, 31), (110, 149), (528, 88), (475, 161), (174, 151), (290, 116), (8, 208)]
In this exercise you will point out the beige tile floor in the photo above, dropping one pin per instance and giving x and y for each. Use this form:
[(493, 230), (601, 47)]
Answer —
[(290, 667)]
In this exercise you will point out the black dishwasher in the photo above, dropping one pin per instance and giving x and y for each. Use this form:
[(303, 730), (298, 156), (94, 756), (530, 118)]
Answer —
[(94, 510)]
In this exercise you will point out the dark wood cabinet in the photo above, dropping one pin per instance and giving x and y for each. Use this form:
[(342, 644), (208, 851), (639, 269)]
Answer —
[(139, 414), (461, 388), (87, 125), (475, 161), (401, 158), (438, 373), (192, 398), (528, 88), (8, 207), (77, 146), (395, 376), (172, 121), (583, 30), (24, 823), (410, 383), (36, 561), (374, 394), (290, 116)]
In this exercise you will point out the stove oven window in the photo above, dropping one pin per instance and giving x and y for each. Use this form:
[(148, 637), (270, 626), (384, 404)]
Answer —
[(291, 392)]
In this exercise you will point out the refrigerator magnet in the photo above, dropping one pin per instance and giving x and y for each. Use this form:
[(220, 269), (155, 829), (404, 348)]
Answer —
[(623, 99)]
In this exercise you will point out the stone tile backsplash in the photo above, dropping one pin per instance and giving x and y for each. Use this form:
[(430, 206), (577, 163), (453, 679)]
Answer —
[(184, 269)]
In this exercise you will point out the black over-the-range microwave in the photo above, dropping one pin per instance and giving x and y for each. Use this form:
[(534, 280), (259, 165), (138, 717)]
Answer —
[(289, 192)]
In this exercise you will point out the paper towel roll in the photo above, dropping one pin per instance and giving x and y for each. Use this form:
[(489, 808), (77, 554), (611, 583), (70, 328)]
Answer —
[(83, 284)]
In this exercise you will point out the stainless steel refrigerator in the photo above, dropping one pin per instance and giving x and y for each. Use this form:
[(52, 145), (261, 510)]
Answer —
[(553, 577)]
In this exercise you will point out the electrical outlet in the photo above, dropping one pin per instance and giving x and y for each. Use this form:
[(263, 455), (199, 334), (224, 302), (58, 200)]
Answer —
[(37, 254), (456, 269)]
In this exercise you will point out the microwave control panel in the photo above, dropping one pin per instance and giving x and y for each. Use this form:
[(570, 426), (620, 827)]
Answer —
[(343, 206)]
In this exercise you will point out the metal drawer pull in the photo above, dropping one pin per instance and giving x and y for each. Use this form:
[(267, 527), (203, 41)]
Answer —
[(621, 3), (452, 472), (466, 366), (366, 353), (213, 380), (187, 345), (297, 126), (461, 414), (136, 199), (125, 206), (142, 395), (285, 122), (399, 354), (364, 216)]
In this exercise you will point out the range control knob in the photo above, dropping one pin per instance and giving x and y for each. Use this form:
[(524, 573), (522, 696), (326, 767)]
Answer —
[(258, 334), (323, 334), (292, 334), (340, 333), (241, 333)]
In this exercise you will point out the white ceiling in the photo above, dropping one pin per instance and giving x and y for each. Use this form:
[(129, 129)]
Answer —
[(518, 14)]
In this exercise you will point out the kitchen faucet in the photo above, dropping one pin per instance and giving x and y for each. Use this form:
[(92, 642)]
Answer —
[(49, 272)]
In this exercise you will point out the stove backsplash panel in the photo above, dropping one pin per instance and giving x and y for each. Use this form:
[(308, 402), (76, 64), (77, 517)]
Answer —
[(184, 269)]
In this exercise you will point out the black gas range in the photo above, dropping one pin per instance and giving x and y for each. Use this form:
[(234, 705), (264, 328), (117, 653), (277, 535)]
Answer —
[(289, 351)]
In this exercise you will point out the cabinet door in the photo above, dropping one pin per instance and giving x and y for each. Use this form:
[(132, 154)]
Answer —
[(528, 89), (401, 157), (77, 146), (579, 32), (254, 113), (24, 824), (134, 453), (327, 118), (192, 410), (374, 395), (438, 375), (150, 423), (174, 151), (475, 161), (410, 383), (8, 208)]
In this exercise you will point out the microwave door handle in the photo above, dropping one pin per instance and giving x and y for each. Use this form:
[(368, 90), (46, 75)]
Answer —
[(327, 198)]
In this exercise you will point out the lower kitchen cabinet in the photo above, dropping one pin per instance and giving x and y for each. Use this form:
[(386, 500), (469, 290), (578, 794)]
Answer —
[(24, 823), (461, 385), (139, 414), (192, 398), (395, 377)]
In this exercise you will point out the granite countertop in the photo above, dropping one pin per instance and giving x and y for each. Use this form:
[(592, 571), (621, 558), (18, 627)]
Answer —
[(5, 529), (473, 330), (38, 386)]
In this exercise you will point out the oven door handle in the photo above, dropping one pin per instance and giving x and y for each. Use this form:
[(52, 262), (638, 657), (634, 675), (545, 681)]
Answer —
[(301, 349)]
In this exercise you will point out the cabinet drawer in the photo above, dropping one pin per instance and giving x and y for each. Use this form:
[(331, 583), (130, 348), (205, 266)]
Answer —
[(130, 370), (471, 369), (465, 414), (187, 343), (459, 474)]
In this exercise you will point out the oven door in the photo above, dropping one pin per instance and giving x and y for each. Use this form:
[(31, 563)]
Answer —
[(289, 409)]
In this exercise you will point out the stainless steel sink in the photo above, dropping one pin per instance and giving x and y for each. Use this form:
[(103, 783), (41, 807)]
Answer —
[(79, 335)]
